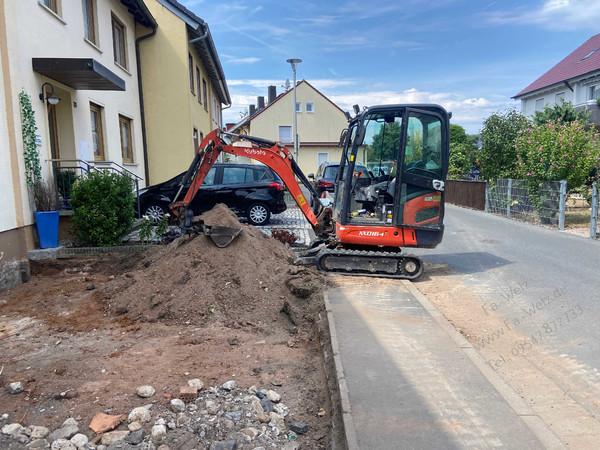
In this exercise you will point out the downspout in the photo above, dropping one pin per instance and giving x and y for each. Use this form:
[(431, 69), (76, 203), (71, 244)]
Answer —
[(141, 95)]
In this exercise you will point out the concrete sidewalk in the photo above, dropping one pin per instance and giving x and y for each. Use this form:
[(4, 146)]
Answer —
[(408, 380)]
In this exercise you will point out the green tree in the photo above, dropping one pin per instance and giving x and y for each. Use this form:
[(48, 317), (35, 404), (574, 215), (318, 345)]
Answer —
[(498, 156), (458, 134), (463, 153), (385, 143), (564, 112), (558, 151), (102, 205)]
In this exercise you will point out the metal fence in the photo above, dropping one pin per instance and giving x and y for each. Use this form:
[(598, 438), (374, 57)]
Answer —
[(594, 216), (513, 199)]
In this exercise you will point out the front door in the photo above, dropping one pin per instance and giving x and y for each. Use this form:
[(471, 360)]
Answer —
[(53, 130)]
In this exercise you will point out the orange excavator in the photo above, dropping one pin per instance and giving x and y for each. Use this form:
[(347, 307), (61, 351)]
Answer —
[(388, 192)]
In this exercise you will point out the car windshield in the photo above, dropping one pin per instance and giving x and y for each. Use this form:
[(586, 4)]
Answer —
[(331, 171)]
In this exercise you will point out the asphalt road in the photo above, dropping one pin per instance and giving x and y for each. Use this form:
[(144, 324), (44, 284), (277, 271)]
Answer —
[(546, 280)]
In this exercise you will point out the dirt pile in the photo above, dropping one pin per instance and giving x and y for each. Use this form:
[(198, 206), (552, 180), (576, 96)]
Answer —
[(192, 281)]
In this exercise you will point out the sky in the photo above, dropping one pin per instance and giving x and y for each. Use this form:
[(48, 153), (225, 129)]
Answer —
[(470, 56)]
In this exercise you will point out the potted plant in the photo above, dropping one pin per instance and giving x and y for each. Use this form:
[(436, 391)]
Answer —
[(46, 214)]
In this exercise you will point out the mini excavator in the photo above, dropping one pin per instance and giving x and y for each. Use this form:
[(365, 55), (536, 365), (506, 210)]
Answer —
[(388, 192)]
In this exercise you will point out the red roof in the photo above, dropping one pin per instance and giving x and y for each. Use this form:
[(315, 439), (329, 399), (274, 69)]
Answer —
[(584, 60)]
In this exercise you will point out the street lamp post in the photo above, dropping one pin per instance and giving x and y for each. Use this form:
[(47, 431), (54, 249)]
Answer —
[(293, 62)]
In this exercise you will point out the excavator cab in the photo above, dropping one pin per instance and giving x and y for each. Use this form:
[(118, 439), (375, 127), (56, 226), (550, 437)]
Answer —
[(390, 185)]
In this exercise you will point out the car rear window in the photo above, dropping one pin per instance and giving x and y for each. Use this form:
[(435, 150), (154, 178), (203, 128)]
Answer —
[(233, 175), (330, 171)]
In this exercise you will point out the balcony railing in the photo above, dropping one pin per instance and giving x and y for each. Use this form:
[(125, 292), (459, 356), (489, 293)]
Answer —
[(66, 172)]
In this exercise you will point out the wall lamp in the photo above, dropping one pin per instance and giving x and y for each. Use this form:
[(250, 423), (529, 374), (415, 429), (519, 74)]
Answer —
[(52, 99)]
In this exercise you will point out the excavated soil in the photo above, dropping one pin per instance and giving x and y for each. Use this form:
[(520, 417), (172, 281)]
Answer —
[(82, 334)]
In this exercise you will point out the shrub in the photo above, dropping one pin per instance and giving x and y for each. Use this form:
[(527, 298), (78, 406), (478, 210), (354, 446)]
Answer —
[(102, 205)]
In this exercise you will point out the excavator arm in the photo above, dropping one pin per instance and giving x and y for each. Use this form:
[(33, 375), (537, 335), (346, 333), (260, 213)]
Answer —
[(273, 154)]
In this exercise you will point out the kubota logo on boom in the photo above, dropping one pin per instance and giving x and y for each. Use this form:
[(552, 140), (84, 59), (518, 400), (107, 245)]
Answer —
[(371, 233), (254, 151)]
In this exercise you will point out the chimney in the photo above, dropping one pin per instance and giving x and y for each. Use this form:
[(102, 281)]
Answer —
[(261, 103), (252, 110), (272, 94)]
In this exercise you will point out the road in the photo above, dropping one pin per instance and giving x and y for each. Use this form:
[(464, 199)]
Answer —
[(526, 297)]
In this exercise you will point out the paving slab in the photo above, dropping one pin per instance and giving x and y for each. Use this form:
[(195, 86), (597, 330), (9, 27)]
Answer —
[(406, 382)]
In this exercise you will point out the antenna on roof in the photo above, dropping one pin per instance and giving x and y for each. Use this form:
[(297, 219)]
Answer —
[(287, 84)]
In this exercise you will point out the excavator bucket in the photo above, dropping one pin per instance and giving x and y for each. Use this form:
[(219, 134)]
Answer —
[(221, 236)]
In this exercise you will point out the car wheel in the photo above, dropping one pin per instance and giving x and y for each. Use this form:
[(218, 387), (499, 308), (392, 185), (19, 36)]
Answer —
[(258, 214), (156, 211)]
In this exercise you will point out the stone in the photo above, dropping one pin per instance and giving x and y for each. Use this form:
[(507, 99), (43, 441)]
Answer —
[(229, 385), (37, 432), (4, 416), (70, 422), (234, 415), (38, 443), (145, 391), (62, 444), (273, 396), (263, 418), (159, 431), (227, 445), (291, 445), (113, 436), (63, 433), (299, 427), (15, 388), (136, 437), (195, 382), (212, 407), (79, 440), (139, 414), (134, 426), (177, 405), (266, 404), (277, 421), (256, 406), (252, 433), (13, 429)]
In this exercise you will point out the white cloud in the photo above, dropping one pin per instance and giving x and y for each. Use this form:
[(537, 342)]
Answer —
[(553, 15)]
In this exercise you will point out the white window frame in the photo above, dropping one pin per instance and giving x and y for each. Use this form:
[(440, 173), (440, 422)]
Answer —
[(310, 110), (539, 104), (558, 97), (320, 159), (281, 136), (298, 107)]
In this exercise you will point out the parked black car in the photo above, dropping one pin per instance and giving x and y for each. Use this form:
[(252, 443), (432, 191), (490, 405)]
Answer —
[(250, 190), (327, 172)]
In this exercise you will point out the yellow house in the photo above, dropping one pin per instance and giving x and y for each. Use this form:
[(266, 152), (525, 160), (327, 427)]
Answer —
[(320, 123), (184, 88), (76, 62)]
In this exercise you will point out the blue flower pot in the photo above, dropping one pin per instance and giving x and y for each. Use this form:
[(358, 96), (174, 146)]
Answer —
[(46, 223)]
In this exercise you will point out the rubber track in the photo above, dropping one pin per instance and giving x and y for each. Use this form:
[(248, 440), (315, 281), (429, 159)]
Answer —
[(384, 257)]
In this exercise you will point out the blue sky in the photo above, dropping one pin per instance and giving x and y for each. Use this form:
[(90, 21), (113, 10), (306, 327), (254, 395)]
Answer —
[(469, 56)]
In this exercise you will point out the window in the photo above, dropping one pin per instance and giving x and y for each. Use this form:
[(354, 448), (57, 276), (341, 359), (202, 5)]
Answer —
[(191, 69), (539, 104), (593, 92), (97, 134), (590, 54), (233, 175), (310, 107), (559, 98), (285, 133), (126, 147), (198, 82), (119, 46), (204, 94), (89, 21), (322, 157), (51, 5), (298, 107), (196, 143)]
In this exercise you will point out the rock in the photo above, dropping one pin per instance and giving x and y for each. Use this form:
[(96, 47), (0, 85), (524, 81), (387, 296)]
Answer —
[(256, 406), (79, 440), (299, 427), (234, 415), (229, 385), (113, 436), (122, 445), (159, 431), (136, 437), (291, 445), (90, 287), (134, 426), (13, 429), (15, 388), (70, 422), (139, 414), (212, 407), (38, 443), (63, 433), (266, 404), (145, 391), (4, 416), (252, 433), (62, 444), (37, 432), (273, 396), (277, 421), (177, 405), (196, 383), (263, 418)]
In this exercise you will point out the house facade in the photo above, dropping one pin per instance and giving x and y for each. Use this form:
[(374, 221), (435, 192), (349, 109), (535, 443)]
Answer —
[(320, 123), (575, 79), (184, 88), (76, 61)]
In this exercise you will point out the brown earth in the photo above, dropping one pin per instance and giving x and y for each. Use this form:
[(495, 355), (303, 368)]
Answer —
[(82, 334)]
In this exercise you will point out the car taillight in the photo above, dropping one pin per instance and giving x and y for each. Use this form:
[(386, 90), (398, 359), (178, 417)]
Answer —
[(278, 186), (324, 184)]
